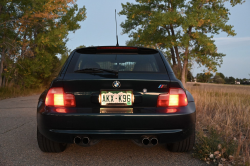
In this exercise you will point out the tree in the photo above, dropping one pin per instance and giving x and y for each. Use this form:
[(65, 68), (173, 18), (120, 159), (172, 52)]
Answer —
[(230, 80), (81, 46), (204, 77), (8, 35), (182, 28), (221, 75), (190, 76), (40, 29), (217, 79), (64, 57)]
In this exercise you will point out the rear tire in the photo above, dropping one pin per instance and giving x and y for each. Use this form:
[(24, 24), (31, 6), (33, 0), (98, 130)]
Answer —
[(185, 145), (47, 145)]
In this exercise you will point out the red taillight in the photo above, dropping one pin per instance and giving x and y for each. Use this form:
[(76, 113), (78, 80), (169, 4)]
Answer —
[(116, 48), (175, 98), (57, 97)]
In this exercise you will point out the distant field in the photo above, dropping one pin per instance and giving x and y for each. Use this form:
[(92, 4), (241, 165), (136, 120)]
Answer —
[(223, 110)]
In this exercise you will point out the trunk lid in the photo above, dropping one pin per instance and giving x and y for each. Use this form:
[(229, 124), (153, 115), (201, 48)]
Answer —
[(86, 87)]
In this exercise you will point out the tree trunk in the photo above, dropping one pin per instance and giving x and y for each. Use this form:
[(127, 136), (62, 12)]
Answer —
[(1, 71), (176, 48), (172, 51), (173, 56), (3, 84), (23, 50), (185, 63), (1, 67), (177, 69), (6, 83), (183, 73), (170, 6), (175, 66), (186, 70)]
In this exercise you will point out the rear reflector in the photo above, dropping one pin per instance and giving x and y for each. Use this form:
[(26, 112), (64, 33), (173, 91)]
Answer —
[(61, 110), (116, 48), (57, 97), (175, 98), (171, 110)]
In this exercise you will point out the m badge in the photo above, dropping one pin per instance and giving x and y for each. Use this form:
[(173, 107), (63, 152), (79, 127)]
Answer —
[(163, 86)]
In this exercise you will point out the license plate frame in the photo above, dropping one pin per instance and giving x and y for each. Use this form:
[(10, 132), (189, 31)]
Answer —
[(116, 110), (116, 93)]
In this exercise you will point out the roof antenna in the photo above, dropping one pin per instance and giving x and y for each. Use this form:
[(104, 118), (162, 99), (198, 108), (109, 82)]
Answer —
[(117, 44)]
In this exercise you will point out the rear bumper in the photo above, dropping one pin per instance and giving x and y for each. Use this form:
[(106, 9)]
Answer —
[(116, 132), (166, 127), (163, 136)]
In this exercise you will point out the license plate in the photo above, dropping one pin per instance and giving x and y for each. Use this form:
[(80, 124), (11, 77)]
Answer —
[(116, 97)]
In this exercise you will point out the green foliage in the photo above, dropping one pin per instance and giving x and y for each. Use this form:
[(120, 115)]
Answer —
[(244, 81), (10, 92), (229, 80), (204, 77), (81, 46), (63, 59), (37, 71), (190, 76), (212, 143), (219, 78), (181, 28), (221, 75), (31, 37)]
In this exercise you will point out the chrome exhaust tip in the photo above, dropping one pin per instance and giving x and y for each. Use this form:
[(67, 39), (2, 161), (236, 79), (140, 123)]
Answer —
[(145, 141), (154, 141), (85, 140), (77, 140)]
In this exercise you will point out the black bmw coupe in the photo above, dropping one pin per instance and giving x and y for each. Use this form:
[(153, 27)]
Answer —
[(113, 92)]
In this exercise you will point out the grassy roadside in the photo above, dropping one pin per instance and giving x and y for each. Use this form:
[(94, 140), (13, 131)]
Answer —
[(11, 92), (223, 123)]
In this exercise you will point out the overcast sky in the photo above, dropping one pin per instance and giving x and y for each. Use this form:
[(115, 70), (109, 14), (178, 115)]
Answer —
[(99, 29)]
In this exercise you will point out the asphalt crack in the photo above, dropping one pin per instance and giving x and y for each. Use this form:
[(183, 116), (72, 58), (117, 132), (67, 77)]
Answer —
[(15, 128)]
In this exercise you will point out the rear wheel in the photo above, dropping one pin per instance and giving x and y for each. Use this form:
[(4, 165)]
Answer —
[(47, 145), (185, 145)]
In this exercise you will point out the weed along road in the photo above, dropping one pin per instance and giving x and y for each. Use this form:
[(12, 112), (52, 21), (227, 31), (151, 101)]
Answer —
[(18, 144)]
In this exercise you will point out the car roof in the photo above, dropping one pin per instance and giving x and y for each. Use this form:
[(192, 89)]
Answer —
[(116, 49)]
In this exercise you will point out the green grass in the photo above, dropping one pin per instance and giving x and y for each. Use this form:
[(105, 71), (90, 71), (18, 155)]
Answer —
[(11, 92)]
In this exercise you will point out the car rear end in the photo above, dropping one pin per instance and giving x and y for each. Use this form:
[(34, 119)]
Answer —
[(136, 96)]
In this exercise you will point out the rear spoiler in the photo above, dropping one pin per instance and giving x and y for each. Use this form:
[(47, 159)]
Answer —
[(115, 49)]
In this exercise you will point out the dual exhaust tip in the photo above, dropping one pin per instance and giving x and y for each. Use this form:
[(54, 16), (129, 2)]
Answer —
[(147, 141), (81, 140), (86, 141)]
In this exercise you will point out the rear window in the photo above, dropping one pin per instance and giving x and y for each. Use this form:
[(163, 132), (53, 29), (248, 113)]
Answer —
[(119, 62)]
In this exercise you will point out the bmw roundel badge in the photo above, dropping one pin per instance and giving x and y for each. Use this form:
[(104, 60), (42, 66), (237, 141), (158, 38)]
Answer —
[(116, 84)]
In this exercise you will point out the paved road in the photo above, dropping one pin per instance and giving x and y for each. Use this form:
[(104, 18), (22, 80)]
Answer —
[(18, 145)]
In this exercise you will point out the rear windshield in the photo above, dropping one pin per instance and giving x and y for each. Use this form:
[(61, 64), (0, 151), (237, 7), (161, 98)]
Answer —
[(118, 62)]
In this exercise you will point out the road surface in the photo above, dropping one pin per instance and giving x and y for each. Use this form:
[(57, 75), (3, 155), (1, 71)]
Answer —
[(18, 145)]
